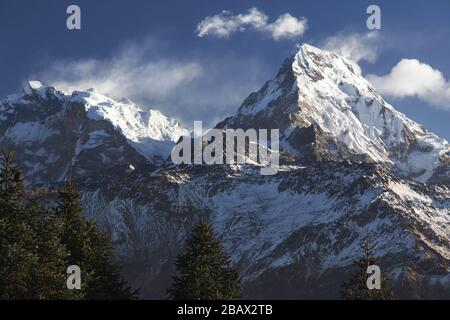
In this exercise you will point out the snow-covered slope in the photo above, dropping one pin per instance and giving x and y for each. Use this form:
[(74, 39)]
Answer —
[(324, 106), (292, 235), (85, 131)]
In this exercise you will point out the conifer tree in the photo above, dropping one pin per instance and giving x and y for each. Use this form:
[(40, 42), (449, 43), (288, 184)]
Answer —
[(91, 250), (49, 276), (37, 245), (32, 258), (16, 264), (356, 288), (203, 270)]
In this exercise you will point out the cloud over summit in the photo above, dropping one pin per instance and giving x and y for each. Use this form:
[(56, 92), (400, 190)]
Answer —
[(355, 46), (224, 24)]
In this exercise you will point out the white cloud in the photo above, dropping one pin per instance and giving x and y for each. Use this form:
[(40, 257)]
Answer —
[(412, 78), (287, 26), (204, 88), (409, 78), (224, 24), (355, 46)]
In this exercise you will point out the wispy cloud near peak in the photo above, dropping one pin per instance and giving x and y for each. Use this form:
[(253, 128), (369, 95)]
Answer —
[(355, 46), (206, 87)]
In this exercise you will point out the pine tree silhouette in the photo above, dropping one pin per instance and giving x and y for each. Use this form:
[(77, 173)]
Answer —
[(91, 250), (203, 270), (356, 288), (32, 257), (37, 245)]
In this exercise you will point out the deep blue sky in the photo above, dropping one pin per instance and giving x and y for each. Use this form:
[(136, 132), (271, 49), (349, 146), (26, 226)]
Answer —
[(33, 36)]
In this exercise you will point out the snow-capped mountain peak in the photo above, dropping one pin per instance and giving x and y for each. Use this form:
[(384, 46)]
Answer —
[(323, 106), (348, 107), (147, 130), (92, 125)]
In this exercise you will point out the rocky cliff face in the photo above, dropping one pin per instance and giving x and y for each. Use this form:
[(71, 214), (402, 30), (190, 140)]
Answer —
[(353, 167)]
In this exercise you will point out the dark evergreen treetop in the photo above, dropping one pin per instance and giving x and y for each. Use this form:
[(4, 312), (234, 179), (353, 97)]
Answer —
[(37, 244), (356, 288), (91, 250), (203, 270), (32, 257)]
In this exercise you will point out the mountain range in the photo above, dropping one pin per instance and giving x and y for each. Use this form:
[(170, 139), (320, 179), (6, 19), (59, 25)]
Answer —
[(352, 168)]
